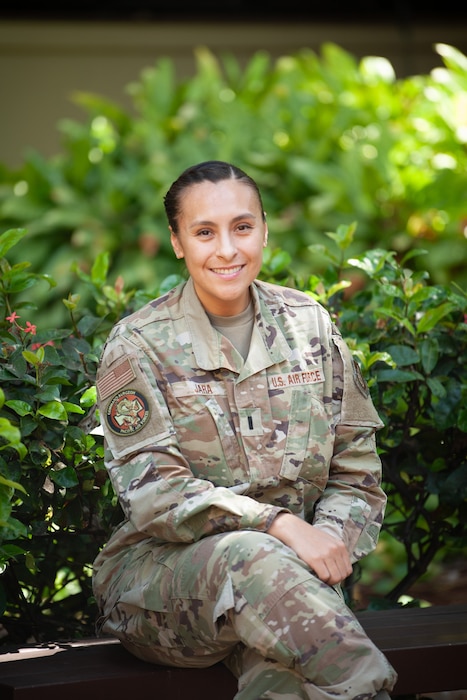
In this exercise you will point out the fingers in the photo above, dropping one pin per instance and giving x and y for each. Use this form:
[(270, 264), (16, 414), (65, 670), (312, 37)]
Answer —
[(330, 560), (332, 571), (325, 554)]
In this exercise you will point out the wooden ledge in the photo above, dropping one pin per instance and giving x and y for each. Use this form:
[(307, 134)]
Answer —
[(427, 647)]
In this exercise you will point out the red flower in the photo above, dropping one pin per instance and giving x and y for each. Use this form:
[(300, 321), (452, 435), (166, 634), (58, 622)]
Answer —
[(12, 318), (30, 328), (36, 346)]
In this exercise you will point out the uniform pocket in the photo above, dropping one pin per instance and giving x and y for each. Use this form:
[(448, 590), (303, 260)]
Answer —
[(309, 439), (209, 442)]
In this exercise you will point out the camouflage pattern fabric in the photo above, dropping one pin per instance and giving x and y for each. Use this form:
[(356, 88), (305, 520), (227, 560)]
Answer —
[(204, 450)]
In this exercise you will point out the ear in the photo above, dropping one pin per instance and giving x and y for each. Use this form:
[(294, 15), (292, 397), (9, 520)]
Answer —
[(175, 241)]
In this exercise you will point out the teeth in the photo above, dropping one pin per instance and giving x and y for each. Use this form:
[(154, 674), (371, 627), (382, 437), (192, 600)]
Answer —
[(227, 270)]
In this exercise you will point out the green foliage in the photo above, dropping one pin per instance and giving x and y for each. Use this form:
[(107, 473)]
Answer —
[(410, 338), (55, 501), (330, 140), (57, 506)]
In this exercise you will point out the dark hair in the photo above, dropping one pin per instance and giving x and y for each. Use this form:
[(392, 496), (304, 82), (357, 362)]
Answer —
[(212, 170)]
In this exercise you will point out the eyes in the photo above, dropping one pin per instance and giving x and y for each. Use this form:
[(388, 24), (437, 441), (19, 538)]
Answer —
[(241, 229)]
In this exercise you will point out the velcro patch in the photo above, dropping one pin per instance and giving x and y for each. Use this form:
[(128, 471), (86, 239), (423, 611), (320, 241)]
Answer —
[(127, 412), (359, 380), (115, 379)]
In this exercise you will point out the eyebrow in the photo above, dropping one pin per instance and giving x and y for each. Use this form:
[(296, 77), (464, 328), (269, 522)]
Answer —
[(240, 217)]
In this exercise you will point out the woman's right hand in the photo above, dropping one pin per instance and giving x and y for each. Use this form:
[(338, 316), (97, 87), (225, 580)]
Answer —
[(325, 554)]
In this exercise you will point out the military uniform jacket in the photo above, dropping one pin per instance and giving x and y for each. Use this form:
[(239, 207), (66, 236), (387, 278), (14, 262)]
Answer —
[(199, 441)]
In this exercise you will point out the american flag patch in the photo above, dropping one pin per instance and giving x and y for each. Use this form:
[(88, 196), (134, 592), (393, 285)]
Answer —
[(114, 380)]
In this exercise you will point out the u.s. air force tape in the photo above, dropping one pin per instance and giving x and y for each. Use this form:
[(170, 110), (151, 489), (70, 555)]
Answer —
[(127, 412)]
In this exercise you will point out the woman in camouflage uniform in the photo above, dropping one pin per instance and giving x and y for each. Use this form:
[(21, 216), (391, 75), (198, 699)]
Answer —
[(240, 441)]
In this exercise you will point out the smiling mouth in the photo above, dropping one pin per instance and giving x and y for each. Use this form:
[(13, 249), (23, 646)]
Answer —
[(226, 270)]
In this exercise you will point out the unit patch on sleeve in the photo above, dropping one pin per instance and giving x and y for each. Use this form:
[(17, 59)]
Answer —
[(359, 380), (127, 412)]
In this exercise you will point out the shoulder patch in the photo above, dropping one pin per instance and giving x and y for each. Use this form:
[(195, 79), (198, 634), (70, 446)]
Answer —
[(127, 413), (359, 380), (121, 374)]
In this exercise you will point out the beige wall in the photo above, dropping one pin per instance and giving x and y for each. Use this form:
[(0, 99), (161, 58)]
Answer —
[(42, 64)]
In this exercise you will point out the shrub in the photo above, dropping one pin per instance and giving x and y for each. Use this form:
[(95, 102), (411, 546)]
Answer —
[(410, 337), (57, 506), (330, 140), (55, 501)]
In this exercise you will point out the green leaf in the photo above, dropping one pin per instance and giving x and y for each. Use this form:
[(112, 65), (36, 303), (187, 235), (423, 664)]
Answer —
[(49, 279), (71, 302), (48, 394), (12, 484), (9, 432), (344, 235), (88, 325), (89, 397), (403, 355), (10, 238), (100, 269), (378, 357), (397, 375), (54, 410), (397, 316), (436, 387), (31, 357), (19, 283), (415, 252), (429, 354), (169, 283), (431, 317), (64, 478), (73, 408), (30, 562), (20, 407), (452, 57), (15, 528), (372, 261), (11, 550), (279, 261)]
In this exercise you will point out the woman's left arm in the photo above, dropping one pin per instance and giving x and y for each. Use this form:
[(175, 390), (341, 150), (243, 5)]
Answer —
[(353, 503)]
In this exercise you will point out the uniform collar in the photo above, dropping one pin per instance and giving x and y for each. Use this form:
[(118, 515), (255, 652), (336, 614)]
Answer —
[(212, 351)]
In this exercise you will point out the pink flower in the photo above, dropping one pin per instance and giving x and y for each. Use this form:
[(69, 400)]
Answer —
[(36, 346), (30, 328), (12, 318)]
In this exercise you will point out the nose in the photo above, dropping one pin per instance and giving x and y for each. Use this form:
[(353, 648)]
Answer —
[(226, 248)]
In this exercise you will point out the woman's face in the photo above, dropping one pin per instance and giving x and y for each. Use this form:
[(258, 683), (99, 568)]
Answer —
[(221, 235)]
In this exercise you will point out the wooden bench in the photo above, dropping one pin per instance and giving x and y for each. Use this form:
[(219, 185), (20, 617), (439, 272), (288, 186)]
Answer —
[(427, 646)]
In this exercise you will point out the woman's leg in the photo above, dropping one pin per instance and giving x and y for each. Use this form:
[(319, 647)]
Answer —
[(192, 604), (264, 678), (261, 679), (297, 625)]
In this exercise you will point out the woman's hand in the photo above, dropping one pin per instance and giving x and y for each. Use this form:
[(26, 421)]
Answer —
[(326, 555)]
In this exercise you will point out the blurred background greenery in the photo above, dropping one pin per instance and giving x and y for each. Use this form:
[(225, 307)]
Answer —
[(354, 164), (329, 139)]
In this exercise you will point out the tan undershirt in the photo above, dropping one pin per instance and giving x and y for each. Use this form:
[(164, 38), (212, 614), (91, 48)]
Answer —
[(237, 328)]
